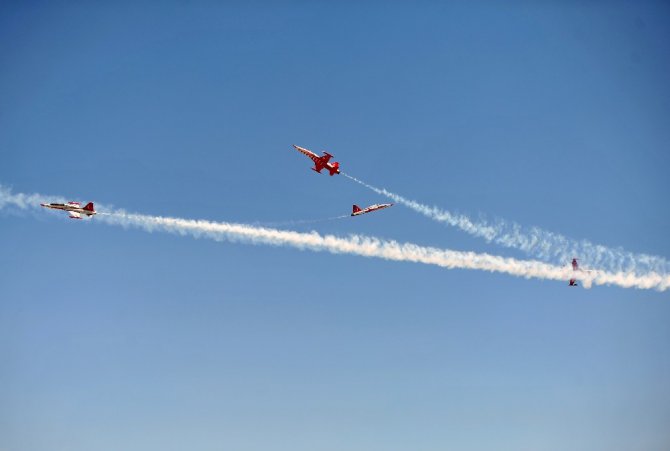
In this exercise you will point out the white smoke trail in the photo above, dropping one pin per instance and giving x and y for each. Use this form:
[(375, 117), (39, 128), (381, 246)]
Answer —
[(360, 245), (536, 242), (24, 201), (297, 221)]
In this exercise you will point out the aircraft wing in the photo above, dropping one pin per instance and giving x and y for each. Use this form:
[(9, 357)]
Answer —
[(307, 152), (74, 215)]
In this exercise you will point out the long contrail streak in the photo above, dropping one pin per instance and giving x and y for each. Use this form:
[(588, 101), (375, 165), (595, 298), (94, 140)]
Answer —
[(354, 245), (297, 221), (538, 243)]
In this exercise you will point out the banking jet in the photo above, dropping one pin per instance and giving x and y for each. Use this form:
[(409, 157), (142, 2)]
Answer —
[(361, 211), (575, 267), (320, 162), (74, 208)]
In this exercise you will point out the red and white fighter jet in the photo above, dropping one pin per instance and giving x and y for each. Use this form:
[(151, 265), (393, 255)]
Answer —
[(575, 267), (320, 162), (74, 208), (361, 211)]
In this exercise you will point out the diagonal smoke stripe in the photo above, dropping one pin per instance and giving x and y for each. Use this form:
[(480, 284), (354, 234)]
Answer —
[(538, 243), (364, 246)]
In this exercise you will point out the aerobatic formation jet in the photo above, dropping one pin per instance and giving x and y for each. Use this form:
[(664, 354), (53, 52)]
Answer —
[(320, 162), (361, 211), (74, 208), (575, 267)]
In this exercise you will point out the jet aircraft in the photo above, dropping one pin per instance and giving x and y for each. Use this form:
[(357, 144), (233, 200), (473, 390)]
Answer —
[(575, 267), (74, 208), (361, 211), (320, 162)]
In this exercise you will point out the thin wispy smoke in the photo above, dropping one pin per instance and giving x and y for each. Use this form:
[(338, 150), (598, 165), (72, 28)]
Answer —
[(24, 201), (536, 242), (297, 221), (358, 245)]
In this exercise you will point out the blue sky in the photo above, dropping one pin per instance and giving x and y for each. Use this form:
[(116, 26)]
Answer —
[(554, 115)]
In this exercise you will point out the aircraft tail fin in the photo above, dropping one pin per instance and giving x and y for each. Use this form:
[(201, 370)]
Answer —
[(89, 207), (335, 168), (356, 209)]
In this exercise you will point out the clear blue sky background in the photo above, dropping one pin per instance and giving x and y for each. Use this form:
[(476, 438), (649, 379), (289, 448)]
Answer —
[(554, 114)]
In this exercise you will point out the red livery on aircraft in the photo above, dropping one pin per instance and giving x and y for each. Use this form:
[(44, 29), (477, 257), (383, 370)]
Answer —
[(361, 211), (320, 162), (575, 267), (74, 208)]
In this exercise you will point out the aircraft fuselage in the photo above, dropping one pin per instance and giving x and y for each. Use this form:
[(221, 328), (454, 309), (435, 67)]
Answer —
[(74, 208)]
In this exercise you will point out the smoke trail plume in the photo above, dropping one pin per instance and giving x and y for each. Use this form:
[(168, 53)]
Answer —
[(534, 241), (24, 201), (297, 221), (358, 245)]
